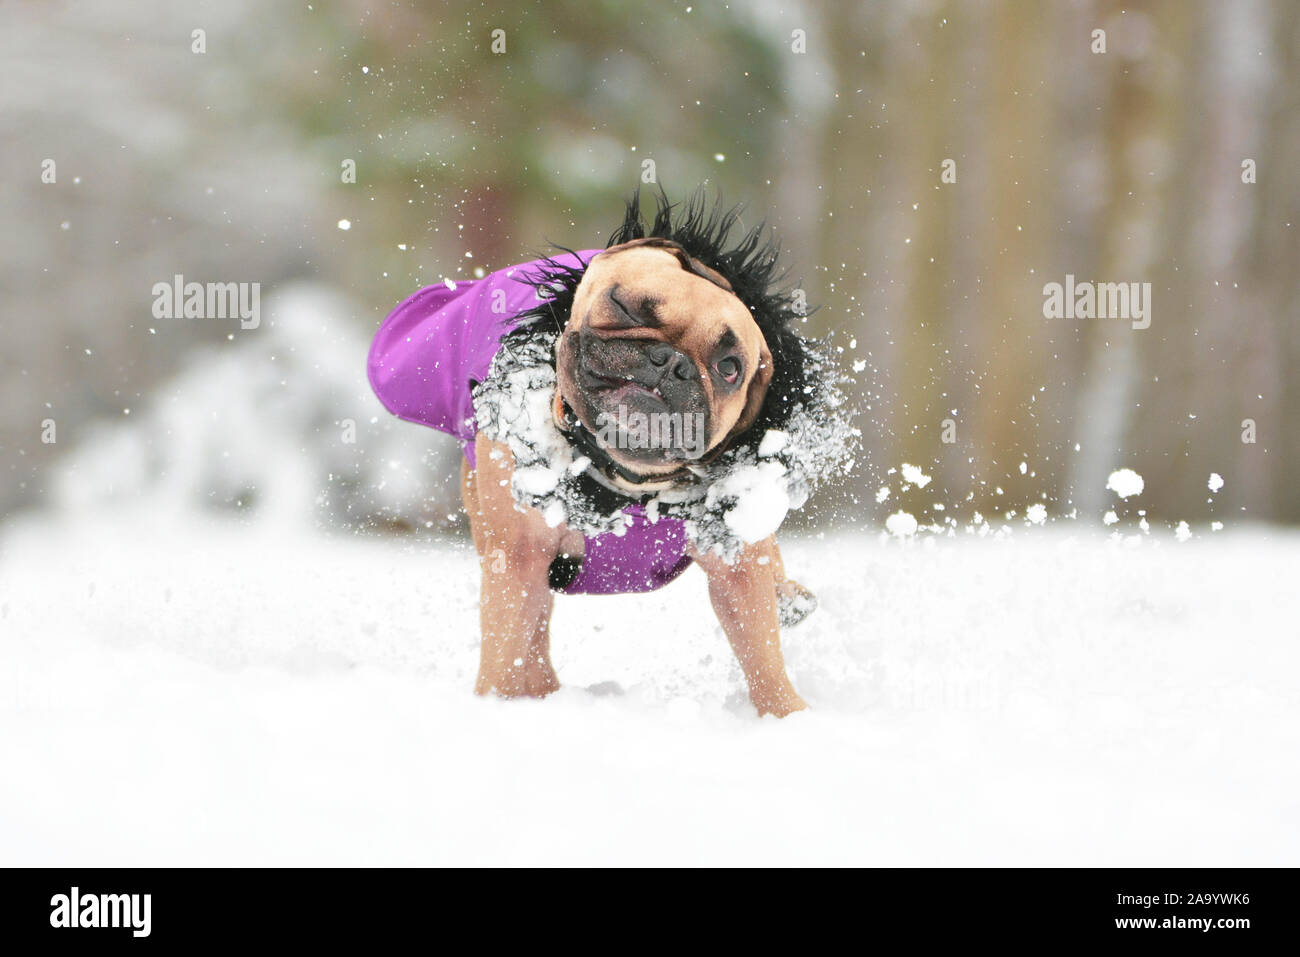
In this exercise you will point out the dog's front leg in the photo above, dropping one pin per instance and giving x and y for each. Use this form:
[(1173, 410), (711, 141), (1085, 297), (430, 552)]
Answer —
[(515, 598), (743, 594)]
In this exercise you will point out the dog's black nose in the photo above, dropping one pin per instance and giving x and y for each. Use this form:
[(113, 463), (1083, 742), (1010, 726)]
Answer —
[(660, 354), (663, 356)]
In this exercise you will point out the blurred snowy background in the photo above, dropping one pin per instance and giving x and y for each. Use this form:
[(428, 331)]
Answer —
[(219, 552), (225, 166)]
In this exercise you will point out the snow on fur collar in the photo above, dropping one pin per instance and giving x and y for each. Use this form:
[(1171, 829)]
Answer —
[(740, 498)]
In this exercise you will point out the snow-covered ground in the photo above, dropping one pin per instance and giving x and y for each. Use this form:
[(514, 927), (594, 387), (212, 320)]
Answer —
[(178, 692)]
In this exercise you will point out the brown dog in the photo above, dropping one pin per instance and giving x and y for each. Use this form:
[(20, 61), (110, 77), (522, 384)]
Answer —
[(640, 306), (644, 331)]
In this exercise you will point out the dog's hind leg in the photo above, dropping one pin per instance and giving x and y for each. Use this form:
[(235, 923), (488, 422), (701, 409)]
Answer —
[(794, 602)]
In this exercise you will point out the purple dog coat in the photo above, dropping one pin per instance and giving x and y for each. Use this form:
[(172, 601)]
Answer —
[(422, 362)]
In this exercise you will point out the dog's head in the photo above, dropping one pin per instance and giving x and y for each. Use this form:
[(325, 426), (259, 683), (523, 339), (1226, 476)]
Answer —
[(674, 344), (659, 359)]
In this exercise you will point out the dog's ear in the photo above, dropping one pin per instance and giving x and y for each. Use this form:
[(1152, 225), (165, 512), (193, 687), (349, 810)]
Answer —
[(653, 241), (689, 262), (757, 392)]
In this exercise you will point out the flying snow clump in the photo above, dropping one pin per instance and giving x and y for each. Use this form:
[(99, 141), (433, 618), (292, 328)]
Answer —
[(901, 524), (914, 475), (1125, 483)]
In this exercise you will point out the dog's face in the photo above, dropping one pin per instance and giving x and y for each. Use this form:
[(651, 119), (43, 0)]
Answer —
[(661, 357)]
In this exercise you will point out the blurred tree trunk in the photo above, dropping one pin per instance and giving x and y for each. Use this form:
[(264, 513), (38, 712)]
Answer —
[(1142, 99), (1011, 324), (850, 150), (925, 216), (1168, 350), (1269, 389)]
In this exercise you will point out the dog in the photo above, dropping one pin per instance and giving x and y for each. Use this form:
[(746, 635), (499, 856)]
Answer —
[(625, 413)]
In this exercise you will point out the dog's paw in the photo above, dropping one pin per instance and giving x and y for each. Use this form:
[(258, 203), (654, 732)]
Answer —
[(779, 705), (794, 603), (541, 680), (531, 679)]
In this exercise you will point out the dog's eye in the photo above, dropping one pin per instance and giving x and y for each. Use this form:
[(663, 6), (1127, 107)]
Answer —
[(728, 368)]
